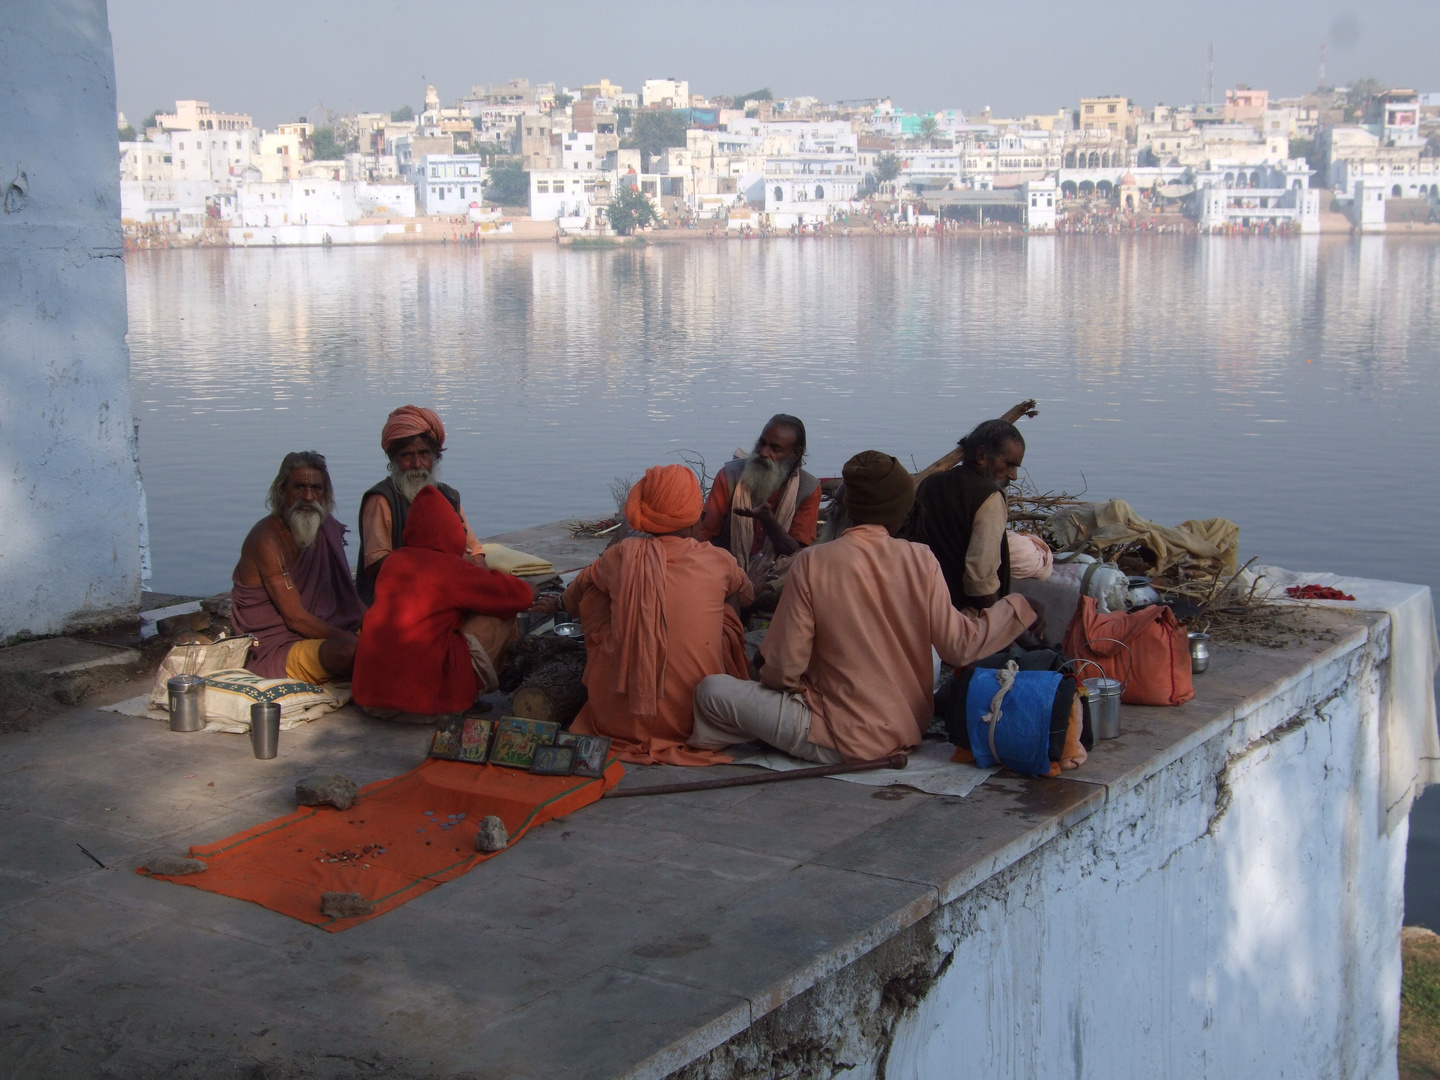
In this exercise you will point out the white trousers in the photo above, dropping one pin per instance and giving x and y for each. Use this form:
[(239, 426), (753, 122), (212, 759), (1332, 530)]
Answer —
[(729, 710)]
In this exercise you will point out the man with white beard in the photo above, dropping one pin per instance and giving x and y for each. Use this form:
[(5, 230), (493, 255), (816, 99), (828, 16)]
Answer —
[(292, 589), (414, 440), (764, 507)]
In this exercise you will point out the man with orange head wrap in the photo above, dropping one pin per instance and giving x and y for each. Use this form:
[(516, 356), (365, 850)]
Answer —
[(656, 623), (414, 441)]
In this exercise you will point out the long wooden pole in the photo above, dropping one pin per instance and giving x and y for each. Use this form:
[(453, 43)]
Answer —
[(894, 761)]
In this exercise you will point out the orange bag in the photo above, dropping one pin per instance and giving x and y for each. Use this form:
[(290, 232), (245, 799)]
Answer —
[(1156, 670)]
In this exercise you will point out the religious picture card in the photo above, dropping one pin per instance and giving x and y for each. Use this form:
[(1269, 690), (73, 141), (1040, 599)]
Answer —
[(475, 739), (517, 739), (590, 752), (446, 743), (553, 760)]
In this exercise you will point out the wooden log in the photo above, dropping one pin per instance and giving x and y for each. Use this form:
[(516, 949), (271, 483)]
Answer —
[(553, 690)]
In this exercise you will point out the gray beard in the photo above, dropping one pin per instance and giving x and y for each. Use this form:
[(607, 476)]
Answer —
[(763, 477), (304, 520), (408, 484)]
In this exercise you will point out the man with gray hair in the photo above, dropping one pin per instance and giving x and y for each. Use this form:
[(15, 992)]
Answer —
[(764, 507), (292, 590)]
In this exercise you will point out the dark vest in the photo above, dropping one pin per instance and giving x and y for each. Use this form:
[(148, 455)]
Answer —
[(943, 517), (732, 472), (399, 510)]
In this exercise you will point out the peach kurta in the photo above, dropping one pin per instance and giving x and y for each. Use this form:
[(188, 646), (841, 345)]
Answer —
[(853, 633), (703, 637)]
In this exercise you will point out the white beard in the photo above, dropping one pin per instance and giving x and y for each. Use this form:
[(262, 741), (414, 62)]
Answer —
[(304, 520), (408, 484), (763, 477)]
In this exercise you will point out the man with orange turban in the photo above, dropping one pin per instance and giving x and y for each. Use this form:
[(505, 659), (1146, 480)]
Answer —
[(414, 440), (657, 621)]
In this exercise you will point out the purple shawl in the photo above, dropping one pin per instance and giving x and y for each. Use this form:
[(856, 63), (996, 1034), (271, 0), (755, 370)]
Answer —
[(327, 590)]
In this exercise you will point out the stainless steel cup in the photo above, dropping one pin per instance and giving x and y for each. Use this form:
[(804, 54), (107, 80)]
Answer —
[(1199, 652), (1104, 696), (264, 728), (187, 702)]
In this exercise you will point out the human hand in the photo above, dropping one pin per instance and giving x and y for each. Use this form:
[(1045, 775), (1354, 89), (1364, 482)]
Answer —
[(760, 513), (546, 604)]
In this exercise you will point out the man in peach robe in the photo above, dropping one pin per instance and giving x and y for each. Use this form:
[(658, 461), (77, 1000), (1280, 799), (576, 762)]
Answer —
[(656, 623)]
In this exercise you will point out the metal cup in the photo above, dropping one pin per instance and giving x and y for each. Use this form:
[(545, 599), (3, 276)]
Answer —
[(187, 702), (264, 728), (1199, 652), (1104, 697)]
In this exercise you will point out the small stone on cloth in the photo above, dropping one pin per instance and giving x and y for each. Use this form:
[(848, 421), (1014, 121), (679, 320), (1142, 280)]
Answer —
[(339, 791), (345, 905), (174, 865), (492, 835)]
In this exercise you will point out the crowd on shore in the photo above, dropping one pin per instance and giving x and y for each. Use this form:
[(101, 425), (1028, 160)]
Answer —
[(857, 611)]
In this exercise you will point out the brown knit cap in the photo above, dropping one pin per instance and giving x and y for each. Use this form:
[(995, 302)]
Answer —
[(878, 489)]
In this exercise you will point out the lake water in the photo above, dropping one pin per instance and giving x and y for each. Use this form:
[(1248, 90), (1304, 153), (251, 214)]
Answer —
[(1290, 385)]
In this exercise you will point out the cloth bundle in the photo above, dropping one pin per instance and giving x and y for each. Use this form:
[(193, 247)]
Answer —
[(199, 659), (1214, 541), (509, 561)]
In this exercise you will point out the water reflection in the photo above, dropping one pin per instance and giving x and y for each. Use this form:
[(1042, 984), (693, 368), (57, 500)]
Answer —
[(1290, 385)]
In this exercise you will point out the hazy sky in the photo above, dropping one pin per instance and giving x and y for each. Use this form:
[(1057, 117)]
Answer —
[(279, 60)]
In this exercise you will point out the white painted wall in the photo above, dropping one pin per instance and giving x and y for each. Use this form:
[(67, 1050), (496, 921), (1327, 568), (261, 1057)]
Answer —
[(69, 477), (1194, 928)]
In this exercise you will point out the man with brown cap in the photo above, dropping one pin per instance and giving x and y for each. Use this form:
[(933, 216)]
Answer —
[(848, 674), (414, 441)]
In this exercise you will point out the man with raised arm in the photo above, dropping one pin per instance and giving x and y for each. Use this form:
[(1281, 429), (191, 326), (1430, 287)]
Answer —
[(847, 672), (292, 588), (764, 507), (414, 442)]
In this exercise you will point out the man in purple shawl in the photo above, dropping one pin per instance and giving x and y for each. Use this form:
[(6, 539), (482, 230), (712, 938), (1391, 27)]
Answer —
[(292, 586)]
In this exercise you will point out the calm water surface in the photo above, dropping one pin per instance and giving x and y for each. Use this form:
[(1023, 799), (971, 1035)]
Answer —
[(1291, 386)]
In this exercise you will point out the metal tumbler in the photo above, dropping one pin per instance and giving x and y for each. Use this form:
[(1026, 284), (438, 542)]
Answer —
[(1104, 695), (187, 702), (1199, 652), (264, 728)]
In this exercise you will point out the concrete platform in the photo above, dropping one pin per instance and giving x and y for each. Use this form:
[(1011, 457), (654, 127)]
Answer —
[(62, 655), (750, 932)]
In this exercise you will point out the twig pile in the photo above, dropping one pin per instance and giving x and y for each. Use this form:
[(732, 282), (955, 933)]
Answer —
[(1234, 618)]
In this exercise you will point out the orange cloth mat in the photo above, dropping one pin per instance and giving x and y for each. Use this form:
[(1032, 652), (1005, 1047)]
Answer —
[(286, 864)]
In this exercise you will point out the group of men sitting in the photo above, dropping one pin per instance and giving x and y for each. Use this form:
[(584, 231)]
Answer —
[(845, 670)]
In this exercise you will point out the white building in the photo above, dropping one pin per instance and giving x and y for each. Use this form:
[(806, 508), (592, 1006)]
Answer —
[(667, 93), (1041, 197), (809, 188), (194, 115), (567, 195), (1220, 205), (146, 160), (1416, 179), (448, 183), (577, 152)]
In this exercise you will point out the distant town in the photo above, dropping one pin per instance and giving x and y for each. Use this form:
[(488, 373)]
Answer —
[(537, 161)]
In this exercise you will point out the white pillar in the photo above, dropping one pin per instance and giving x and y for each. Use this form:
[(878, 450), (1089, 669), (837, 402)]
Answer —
[(69, 477)]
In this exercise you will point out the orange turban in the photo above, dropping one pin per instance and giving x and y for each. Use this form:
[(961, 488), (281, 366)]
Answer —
[(666, 499), (408, 421)]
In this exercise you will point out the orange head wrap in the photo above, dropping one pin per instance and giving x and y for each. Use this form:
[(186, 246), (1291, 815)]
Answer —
[(666, 499), (408, 421)]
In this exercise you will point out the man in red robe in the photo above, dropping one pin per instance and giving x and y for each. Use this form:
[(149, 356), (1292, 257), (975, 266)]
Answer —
[(656, 623), (439, 625)]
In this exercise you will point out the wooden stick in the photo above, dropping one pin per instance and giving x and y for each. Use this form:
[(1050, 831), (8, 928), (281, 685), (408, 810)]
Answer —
[(894, 761)]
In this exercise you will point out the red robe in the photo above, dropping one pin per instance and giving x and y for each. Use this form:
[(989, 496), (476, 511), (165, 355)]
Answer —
[(412, 654)]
